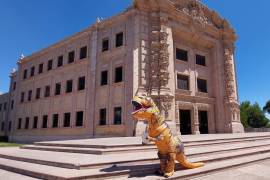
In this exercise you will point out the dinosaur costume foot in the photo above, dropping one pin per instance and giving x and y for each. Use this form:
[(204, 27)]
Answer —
[(181, 158)]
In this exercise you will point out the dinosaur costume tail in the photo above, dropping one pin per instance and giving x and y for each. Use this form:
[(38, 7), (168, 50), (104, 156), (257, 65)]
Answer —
[(181, 158)]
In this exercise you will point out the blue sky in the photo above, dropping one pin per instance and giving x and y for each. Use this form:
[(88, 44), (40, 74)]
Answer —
[(30, 25)]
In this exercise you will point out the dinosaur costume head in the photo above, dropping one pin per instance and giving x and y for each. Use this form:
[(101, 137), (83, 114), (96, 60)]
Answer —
[(144, 108)]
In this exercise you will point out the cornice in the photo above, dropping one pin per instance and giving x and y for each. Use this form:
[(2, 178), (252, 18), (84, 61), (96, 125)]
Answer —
[(191, 11)]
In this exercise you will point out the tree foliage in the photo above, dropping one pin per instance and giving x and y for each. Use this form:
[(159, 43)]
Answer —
[(266, 108), (252, 115)]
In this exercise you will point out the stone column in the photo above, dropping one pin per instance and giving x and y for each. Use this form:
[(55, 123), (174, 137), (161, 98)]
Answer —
[(196, 124), (233, 123)]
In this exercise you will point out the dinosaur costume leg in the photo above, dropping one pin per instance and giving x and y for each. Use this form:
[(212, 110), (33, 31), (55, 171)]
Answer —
[(181, 158), (170, 165), (163, 163)]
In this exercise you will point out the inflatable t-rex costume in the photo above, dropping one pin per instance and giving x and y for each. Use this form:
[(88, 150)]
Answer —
[(170, 148)]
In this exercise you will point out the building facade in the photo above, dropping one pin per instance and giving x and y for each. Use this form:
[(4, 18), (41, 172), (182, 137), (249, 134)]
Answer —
[(82, 86)]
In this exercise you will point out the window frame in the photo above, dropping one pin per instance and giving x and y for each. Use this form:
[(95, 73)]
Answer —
[(55, 118), (188, 82), (83, 52), (116, 79), (186, 55), (35, 122), (32, 72), (198, 60), (79, 122), (50, 65), (117, 42), (60, 61), (71, 59), (115, 120), (67, 115), (47, 92), (82, 80), (107, 47), (102, 81), (200, 90), (69, 86), (102, 122), (57, 90)]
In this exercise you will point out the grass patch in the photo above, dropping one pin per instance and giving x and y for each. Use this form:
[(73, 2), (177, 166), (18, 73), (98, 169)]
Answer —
[(7, 144)]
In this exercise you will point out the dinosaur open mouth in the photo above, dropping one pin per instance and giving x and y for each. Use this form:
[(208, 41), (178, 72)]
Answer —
[(136, 107)]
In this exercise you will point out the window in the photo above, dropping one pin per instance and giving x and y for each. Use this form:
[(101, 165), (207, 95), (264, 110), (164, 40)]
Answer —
[(69, 86), (102, 117), (35, 122), (66, 120), (44, 121), (79, 118), (40, 68), (60, 61), (105, 44), (32, 71), (55, 121), (50, 65), (119, 39), (182, 82), (81, 83), (12, 105), (200, 60), (181, 54), (38, 90), (26, 125), (57, 89), (117, 115), (2, 126), (22, 97), (104, 78), (118, 75), (25, 74), (19, 123), (9, 126), (5, 106), (83, 52), (202, 85), (47, 91), (30, 95), (71, 57), (14, 86), (0, 107)]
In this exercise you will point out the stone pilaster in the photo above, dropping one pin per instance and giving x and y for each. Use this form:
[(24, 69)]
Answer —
[(196, 124), (233, 123)]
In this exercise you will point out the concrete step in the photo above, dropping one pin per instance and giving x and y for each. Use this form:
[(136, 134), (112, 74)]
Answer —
[(209, 168), (101, 151), (124, 142), (83, 161), (131, 171)]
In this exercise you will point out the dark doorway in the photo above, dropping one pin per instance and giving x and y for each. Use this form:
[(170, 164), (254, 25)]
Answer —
[(185, 122), (203, 119)]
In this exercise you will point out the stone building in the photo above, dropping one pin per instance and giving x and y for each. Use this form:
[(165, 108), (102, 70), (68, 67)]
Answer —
[(179, 51)]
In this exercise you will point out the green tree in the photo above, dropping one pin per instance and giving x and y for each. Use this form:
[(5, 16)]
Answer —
[(244, 113), (252, 115), (266, 108)]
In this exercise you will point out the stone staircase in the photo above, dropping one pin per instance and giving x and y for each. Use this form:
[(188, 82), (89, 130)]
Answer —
[(121, 158)]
